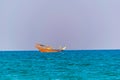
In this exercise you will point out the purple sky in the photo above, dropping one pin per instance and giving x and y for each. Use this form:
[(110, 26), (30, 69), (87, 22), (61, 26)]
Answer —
[(78, 24)]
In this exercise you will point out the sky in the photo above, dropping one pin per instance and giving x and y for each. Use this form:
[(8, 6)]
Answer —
[(77, 24)]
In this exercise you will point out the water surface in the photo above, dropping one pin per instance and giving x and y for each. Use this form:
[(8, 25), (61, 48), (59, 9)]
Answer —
[(66, 65)]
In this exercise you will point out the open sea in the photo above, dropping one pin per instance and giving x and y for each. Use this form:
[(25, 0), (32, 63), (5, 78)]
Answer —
[(66, 65)]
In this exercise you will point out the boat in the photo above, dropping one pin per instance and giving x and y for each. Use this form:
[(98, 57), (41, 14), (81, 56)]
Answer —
[(46, 48)]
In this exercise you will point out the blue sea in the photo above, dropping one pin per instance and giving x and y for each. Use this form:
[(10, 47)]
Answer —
[(66, 65)]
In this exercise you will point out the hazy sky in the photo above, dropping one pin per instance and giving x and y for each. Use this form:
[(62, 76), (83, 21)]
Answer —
[(78, 24)]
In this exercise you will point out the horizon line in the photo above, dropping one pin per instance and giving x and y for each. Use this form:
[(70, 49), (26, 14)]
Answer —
[(68, 50)]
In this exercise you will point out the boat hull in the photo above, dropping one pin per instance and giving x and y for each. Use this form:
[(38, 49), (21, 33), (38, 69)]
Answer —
[(43, 49)]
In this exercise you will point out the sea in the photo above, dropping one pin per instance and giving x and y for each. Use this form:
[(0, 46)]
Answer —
[(66, 65)]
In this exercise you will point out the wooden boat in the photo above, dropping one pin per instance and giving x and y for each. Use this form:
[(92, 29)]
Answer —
[(46, 48)]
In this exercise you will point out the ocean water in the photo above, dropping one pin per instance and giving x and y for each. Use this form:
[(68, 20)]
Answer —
[(66, 65)]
